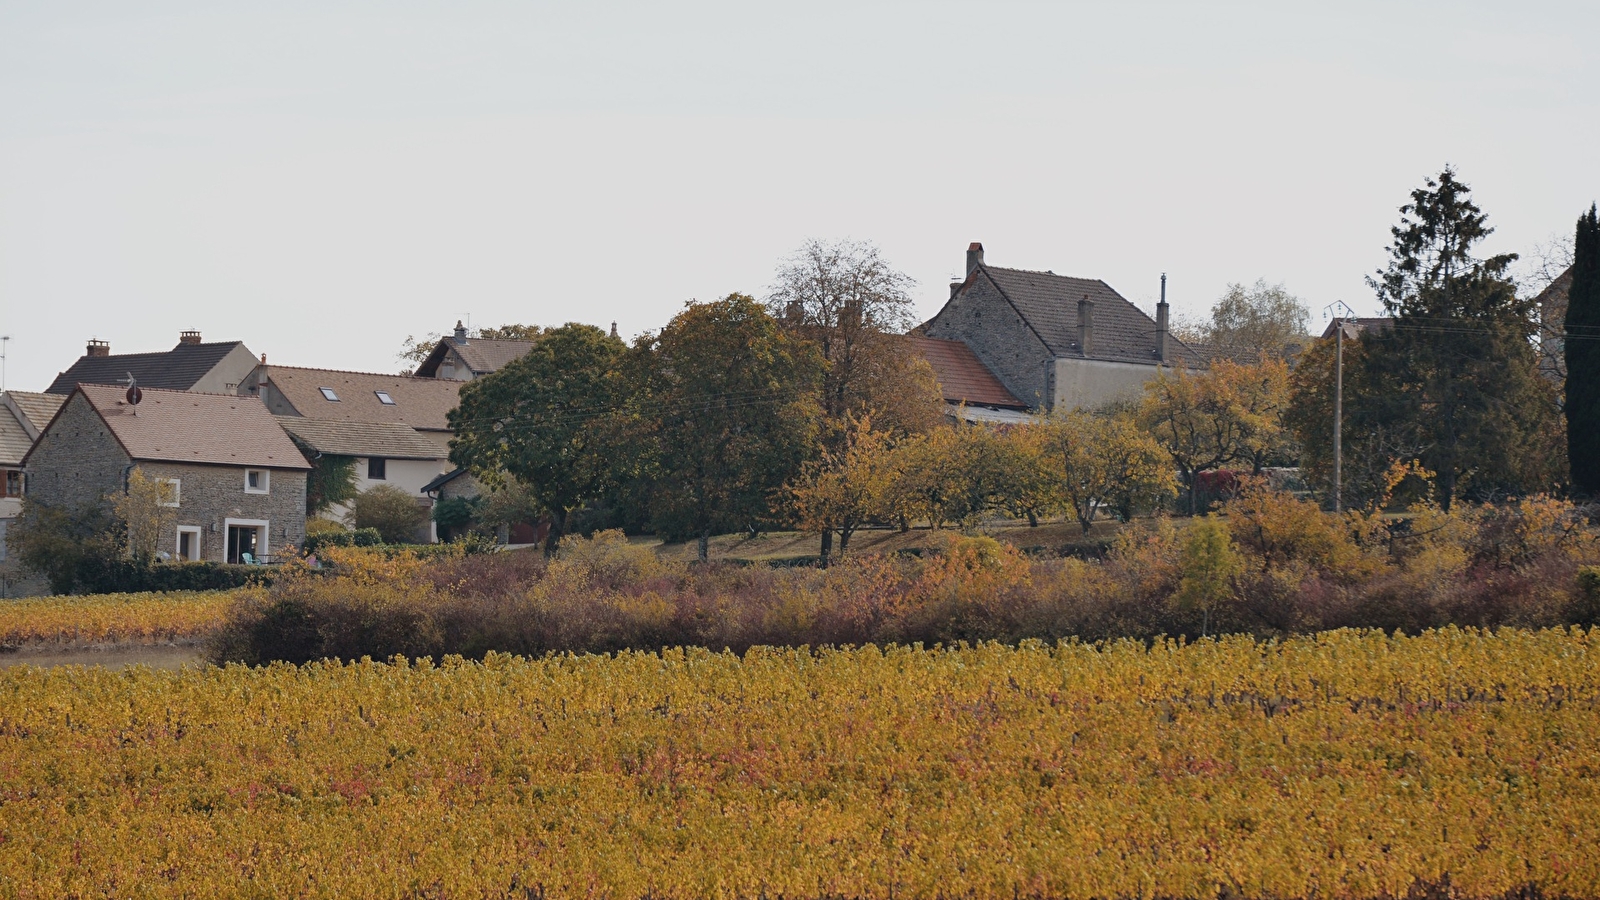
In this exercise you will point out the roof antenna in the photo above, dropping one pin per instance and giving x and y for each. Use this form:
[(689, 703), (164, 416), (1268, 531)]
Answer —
[(134, 395), (4, 339)]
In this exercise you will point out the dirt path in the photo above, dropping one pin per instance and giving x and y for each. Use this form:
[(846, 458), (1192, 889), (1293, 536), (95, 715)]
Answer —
[(156, 656)]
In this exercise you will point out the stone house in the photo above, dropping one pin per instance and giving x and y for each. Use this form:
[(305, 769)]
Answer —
[(1055, 341), (23, 414), (395, 427), (192, 365), (458, 357), (238, 482)]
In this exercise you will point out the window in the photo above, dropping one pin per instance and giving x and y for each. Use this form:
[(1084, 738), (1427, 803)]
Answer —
[(328, 394), (257, 481), (13, 484), (378, 468), (172, 491), (384, 398)]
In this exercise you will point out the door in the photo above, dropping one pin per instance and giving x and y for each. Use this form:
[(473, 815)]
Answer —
[(242, 540)]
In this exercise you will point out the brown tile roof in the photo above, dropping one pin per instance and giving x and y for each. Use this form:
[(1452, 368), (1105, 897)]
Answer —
[(963, 378), (418, 402), (183, 426), (481, 356), (361, 438), (14, 439), (38, 409), (1049, 303), (178, 369)]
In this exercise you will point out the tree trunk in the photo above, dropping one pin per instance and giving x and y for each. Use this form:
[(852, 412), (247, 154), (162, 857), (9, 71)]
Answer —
[(552, 538), (844, 541), (905, 525), (703, 546), (1033, 519), (827, 546)]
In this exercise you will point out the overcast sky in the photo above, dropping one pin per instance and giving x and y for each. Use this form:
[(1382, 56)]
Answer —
[(322, 179)]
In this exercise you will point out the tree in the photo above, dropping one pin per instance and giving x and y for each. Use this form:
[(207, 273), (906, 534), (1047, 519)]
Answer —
[(1260, 320), (723, 412), (395, 514), (146, 511), (847, 301), (1258, 396), (845, 488), (952, 475), (69, 547), (1582, 349), (1458, 359), (1100, 461), (539, 420)]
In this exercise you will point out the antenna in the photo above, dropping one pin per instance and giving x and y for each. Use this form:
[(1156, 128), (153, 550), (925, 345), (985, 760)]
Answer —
[(1338, 309), (4, 339)]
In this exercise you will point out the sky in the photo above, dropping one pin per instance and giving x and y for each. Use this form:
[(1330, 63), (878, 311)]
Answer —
[(323, 179)]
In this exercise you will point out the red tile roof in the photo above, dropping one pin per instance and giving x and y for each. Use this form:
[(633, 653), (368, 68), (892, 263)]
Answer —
[(963, 378), (183, 426)]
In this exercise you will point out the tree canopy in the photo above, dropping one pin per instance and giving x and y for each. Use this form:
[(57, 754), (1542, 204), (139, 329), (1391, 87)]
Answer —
[(1582, 350)]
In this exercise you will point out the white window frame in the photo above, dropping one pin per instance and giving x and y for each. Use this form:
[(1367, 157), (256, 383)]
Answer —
[(265, 531), (196, 534), (177, 491), (266, 481), (384, 398), (329, 394)]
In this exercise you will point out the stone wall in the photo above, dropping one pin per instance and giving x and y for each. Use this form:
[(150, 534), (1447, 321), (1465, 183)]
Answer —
[(77, 461), (210, 495), (980, 317)]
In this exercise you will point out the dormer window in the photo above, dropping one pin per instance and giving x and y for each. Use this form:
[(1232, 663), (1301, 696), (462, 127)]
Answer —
[(328, 394), (384, 398)]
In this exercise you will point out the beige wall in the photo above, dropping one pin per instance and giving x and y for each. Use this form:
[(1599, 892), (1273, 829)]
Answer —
[(1088, 383), (408, 475), (230, 374)]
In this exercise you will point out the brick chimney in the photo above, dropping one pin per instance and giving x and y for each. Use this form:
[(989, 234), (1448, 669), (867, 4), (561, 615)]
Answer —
[(1086, 325), (974, 256), (1161, 322), (188, 337), (98, 348)]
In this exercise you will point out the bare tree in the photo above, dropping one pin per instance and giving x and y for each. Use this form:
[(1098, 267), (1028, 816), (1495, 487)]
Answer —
[(1544, 277), (848, 301)]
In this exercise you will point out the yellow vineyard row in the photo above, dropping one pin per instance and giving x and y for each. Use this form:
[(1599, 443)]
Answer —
[(102, 618), (1341, 765)]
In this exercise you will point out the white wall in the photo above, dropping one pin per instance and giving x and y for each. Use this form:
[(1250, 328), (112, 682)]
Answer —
[(1087, 383), (407, 474)]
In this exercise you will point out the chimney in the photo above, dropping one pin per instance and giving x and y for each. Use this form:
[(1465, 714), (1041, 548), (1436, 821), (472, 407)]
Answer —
[(461, 332), (1086, 325), (98, 348), (974, 256), (955, 288), (614, 331), (188, 337), (1161, 322)]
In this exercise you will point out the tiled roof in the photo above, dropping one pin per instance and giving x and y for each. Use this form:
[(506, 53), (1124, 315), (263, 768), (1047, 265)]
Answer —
[(178, 369), (183, 426), (481, 356), (1049, 302), (14, 440), (38, 409), (360, 438), (963, 378), (418, 402), (1354, 327)]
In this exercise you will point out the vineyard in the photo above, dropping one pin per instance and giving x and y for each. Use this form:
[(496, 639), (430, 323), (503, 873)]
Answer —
[(112, 618), (1347, 764)]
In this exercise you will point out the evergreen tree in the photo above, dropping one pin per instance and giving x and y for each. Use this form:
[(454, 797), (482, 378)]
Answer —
[(1582, 348), (1457, 363)]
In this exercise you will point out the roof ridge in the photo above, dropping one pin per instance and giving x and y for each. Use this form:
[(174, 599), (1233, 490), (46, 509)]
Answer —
[(272, 366), (1047, 272), (147, 390)]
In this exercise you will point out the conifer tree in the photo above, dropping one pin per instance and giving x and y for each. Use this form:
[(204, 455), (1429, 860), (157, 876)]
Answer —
[(1582, 347)]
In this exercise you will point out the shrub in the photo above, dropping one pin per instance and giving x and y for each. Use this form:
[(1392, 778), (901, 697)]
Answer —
[(361, 537), (395, 514)]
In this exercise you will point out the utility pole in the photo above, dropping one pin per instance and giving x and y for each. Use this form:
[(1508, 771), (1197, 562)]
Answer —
[(1341, 311)]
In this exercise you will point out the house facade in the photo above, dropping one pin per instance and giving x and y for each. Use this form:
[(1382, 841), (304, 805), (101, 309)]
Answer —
[(1055, 341), (395, 427), (238, 483), (23, 415)]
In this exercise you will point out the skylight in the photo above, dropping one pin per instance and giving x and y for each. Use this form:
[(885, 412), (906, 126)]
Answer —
[(328, 394), (384, 398)]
